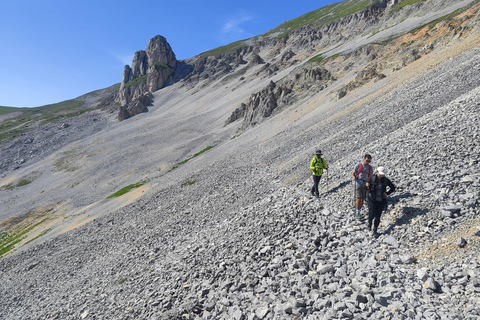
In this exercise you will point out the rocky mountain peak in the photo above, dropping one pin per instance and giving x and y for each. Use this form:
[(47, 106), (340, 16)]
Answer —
[(150, 71)]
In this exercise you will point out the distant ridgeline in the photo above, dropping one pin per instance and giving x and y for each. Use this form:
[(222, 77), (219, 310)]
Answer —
[(310, 42)]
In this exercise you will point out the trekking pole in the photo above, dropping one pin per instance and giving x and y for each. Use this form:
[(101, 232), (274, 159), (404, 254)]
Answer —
[(354, 197), (327, 181)]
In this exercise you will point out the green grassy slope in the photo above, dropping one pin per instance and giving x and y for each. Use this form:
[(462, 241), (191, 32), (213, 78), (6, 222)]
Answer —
[(320, 16), (13, 127)]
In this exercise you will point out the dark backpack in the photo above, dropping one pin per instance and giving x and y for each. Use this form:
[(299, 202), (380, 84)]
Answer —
[(377, 188)]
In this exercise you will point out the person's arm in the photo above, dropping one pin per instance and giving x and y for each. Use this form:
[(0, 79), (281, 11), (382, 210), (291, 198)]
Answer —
[(391, 187), (354, 172), (312, 164)]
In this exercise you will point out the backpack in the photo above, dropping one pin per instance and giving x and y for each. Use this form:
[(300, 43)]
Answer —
[(360, 168), (321, 161), (377, 189)]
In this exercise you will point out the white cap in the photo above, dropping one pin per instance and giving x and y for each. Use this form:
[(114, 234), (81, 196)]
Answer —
[(381, 171)]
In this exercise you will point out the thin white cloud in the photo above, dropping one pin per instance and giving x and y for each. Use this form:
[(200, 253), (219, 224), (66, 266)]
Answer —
[(233, 29), (125, 59)]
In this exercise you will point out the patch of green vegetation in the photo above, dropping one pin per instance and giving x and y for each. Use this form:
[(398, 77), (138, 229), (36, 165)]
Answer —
[(387, 41), (10, 135), (25, 180), (404, 3), (188, 159), (161, 65), (7, 110), (9, 239), (15, 126), (127, 189), (44, 232), (122, 280), (137, 81), (333, 57), (113, 88), (237, 134), (432, 24), (225, 49), (321, 59), (61, 111), (66, 162), (318, 58), (188, 183), (322, 15)]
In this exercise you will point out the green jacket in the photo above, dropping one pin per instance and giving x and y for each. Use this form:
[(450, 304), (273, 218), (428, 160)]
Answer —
[(317, 165)]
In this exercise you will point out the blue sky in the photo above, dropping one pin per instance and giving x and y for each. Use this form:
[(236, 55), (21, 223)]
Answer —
[(55, 50)]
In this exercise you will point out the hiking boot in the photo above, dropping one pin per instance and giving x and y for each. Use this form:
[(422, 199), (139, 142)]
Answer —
[(313, 194), (369, 227), (373, 234)]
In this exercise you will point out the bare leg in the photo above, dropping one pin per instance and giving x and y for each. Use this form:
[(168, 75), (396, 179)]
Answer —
[(359, 203)]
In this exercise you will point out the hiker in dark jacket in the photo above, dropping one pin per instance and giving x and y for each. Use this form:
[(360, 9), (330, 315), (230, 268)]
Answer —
[(317, 165), (377, 198)]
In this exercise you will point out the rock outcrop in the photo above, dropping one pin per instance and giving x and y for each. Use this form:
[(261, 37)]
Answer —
[(262, 104), (135, 107), (151, 70)]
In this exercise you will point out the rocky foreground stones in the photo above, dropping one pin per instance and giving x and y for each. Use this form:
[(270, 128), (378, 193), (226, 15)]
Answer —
[(273, 252)]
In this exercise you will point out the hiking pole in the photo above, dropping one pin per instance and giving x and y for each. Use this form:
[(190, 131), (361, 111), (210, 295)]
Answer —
[(354, 198), (327, 182)]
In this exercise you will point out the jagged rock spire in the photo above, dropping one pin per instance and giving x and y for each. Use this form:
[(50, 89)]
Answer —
[(150, 71)]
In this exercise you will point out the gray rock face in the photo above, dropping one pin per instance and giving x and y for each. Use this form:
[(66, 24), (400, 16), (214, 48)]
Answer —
[(151, 70), (135, 107), (263, 104)]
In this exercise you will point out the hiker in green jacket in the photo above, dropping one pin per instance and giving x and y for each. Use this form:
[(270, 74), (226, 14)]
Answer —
[(317, 165)]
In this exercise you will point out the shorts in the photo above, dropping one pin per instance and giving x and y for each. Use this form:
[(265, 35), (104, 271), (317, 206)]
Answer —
[(360, 192)]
